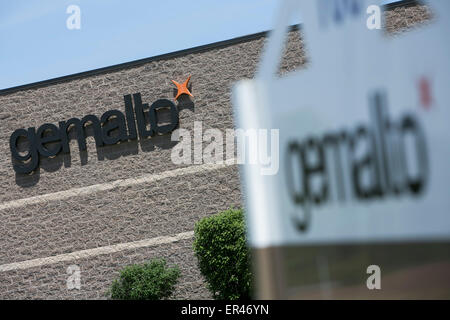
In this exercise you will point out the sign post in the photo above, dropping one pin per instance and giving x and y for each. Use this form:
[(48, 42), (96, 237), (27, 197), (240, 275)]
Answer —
[(360, 206)]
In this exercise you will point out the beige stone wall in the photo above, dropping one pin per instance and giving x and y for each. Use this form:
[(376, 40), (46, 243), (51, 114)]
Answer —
[(42, 213), (47, 214)]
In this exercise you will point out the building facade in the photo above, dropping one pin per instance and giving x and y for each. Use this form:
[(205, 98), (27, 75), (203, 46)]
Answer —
[(89, 213)]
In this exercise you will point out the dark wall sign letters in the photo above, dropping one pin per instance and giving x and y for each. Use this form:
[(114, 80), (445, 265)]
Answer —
[(128, 126)]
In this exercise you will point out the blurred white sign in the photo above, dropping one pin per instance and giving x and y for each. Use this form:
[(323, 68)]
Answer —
[(364, 133)]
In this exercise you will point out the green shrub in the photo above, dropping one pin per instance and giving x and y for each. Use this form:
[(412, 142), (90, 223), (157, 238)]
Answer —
[(149, 281), (221, 249)]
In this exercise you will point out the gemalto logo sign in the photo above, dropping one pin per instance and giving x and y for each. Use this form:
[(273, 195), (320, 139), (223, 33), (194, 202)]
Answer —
[(384, 158), (49, 140)]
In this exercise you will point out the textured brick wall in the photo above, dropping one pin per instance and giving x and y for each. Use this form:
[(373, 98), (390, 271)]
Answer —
[(130, 213), (405, 18), (123, 214)]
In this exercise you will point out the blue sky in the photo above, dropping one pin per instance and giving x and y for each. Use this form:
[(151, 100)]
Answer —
[(36, 45)]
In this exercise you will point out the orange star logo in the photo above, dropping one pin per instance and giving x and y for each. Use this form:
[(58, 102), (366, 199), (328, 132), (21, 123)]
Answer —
[(182, 88)]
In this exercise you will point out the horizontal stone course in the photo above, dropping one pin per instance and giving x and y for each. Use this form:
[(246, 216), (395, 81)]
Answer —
[(97, 274), (138, 212)]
